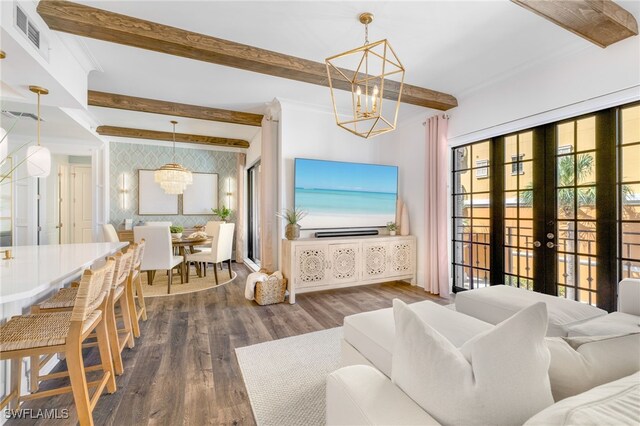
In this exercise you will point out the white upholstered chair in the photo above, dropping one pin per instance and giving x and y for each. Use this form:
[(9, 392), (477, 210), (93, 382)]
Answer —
[(211, 228), (158, 253), (221, 247), (155, 223), (110, 234)]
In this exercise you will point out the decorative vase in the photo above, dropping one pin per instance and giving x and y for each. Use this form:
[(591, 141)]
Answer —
[(399, 207), (404, 221), (292, 231), (176, 234), (392, 233)]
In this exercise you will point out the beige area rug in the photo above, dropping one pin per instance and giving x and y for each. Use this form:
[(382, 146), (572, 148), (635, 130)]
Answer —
[(286, 378), (159, 287)]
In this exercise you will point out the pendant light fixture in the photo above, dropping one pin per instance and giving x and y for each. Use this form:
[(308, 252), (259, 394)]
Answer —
[(172, 177), (38, 157), (358, 82)]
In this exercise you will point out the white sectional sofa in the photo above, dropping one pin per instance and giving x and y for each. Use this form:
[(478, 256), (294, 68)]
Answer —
[(362, 392)]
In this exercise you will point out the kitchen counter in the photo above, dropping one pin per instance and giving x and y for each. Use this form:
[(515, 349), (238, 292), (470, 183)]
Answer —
[(37, 269)]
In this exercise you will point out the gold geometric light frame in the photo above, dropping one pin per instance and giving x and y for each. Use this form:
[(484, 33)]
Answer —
[(373, 111)]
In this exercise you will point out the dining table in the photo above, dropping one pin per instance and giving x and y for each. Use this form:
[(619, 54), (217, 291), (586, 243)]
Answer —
[(186, 245)]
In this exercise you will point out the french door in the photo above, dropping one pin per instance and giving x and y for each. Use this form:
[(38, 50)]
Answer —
[(551, 209)]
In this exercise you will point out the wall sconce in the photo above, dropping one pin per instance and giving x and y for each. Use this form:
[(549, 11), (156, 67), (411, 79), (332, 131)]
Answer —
[(229, 193), (124, 191)]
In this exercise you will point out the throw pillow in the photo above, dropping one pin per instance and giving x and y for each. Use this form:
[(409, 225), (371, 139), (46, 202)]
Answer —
[(581, 363), (498, 377)]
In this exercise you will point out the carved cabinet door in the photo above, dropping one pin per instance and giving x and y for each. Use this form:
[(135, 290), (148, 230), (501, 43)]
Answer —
[(311, 263), (402, 257), (375, 257), (344, 262)]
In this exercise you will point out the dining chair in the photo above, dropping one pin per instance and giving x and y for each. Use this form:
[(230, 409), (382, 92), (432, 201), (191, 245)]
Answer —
[(110, 234), (221, 248), (50, 333), (158, 253), (210, 229)]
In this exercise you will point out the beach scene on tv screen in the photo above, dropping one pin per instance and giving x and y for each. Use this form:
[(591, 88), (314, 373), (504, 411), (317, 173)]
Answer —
[(345, 195)]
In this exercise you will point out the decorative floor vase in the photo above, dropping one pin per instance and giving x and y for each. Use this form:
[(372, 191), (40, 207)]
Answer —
[(399, 207), (404, 221), (292, 231)]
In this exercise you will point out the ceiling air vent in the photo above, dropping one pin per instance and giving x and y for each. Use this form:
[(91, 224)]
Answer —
[(34, 35), (28, 27), (21, 20), (18, 114)]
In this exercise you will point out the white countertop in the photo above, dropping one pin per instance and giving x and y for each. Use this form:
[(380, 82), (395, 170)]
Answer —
[(35, 269)]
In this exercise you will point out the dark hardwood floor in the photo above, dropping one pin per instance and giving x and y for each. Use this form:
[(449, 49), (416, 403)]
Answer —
[(183, 369)]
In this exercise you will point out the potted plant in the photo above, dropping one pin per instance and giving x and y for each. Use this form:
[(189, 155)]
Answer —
[(222, 212), (292, 216), (392, 228), (176, 231)]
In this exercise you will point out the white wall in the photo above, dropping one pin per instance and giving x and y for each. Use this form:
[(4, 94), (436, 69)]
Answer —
[(405, 147), (254, 150), (588, 80)]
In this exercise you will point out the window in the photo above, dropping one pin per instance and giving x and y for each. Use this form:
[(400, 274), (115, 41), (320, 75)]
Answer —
[(482, 170), (253, 219), (565, 149), (517, 167)]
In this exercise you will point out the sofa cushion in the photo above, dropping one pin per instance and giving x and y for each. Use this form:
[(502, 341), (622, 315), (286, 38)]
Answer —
[(612, 324), (615, 403), (496, 303), (373, 333), (362, 395), (582, 363), (629, 296), (500, 376)]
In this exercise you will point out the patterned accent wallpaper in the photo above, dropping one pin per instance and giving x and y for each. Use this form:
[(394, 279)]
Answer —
[(127, 158)]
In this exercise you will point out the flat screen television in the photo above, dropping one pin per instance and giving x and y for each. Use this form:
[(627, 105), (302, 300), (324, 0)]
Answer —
[(345, 195)]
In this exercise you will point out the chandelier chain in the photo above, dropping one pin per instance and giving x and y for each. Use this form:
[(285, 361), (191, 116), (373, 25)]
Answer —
[(366, 34), (174, 142)]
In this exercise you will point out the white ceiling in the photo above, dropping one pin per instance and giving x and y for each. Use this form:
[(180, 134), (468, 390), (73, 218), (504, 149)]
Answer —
[(449, 46)]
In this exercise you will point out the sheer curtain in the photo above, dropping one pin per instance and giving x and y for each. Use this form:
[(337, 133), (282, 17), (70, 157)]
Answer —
[(241, 214), (437, 263), (269, 196)]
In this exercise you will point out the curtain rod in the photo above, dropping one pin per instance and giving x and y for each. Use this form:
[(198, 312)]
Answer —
[(445, 116)]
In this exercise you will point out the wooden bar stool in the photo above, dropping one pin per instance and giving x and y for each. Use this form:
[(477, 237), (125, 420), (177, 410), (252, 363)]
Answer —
[(64, 332), (134, 288), (118, 338)]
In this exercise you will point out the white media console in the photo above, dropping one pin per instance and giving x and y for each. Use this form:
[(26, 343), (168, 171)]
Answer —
[(314, 264)]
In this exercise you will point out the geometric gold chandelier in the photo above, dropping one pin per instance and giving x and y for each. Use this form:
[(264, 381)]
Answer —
[(172, 177), (358, 79)]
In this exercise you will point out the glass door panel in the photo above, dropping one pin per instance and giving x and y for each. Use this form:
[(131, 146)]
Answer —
[(629, 193), (518, 206), (471, 215), (575, 212)]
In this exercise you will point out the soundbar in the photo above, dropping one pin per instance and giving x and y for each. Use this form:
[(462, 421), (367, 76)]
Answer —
[(350, 233)]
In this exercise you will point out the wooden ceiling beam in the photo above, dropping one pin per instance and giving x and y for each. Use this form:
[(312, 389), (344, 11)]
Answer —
[(103, 25), (602, 22), (132, 103), (125, 132)]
